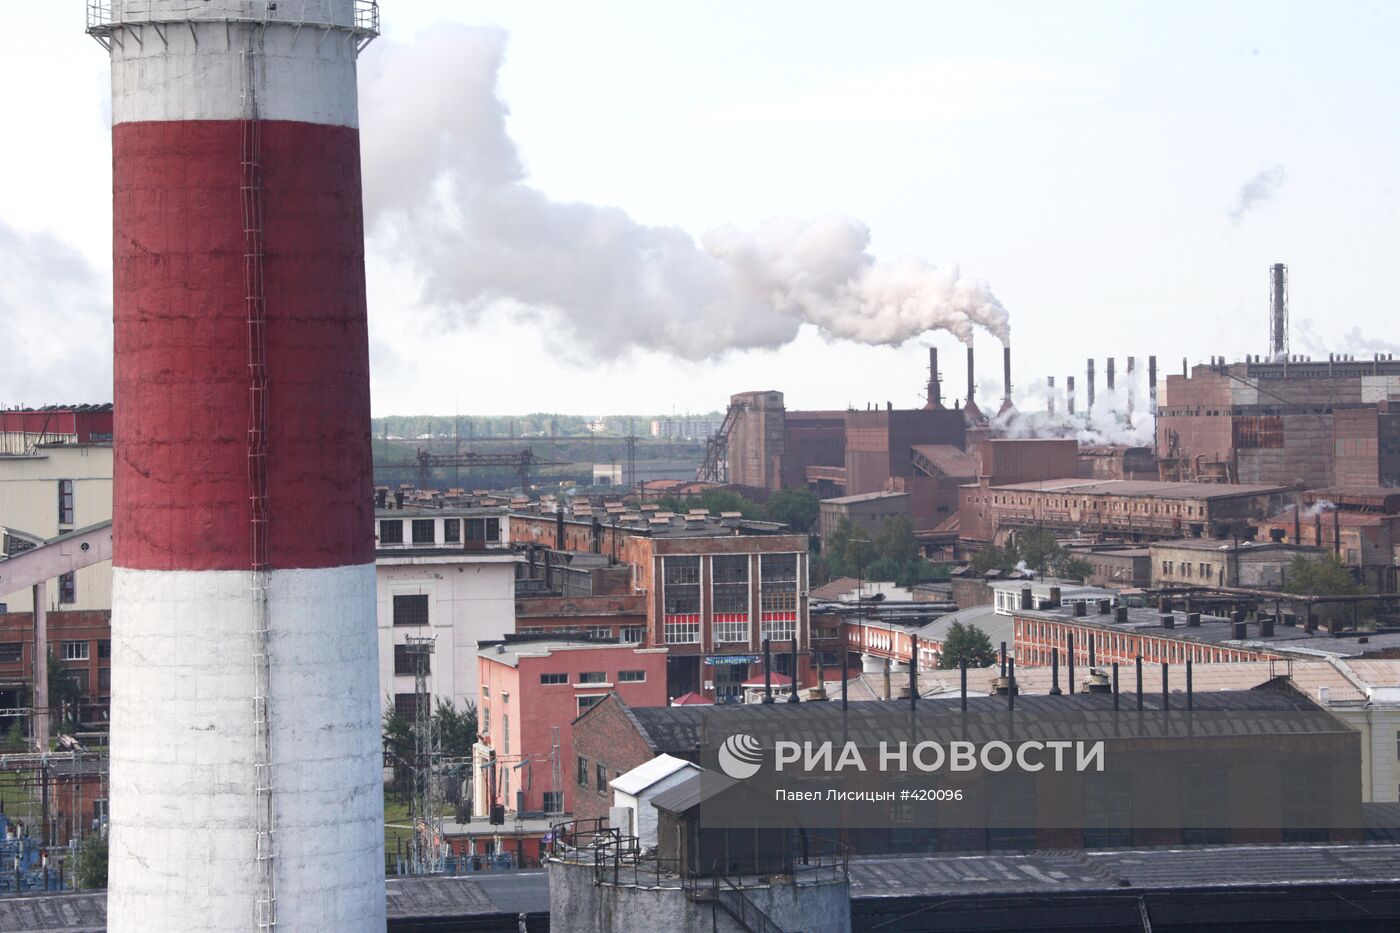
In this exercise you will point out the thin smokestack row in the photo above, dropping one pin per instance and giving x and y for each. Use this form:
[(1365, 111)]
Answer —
[(1089, 385), (935, 384), (246, 768)]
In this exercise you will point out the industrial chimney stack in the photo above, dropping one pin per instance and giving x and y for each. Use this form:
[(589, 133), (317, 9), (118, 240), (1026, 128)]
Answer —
[(1152, 385), (1278, 311), (246, 766), (1089, 383), (1006, 405), (935, 382), (973, 413)]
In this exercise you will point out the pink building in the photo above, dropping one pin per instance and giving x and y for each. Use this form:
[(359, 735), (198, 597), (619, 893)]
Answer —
[(531, 693)]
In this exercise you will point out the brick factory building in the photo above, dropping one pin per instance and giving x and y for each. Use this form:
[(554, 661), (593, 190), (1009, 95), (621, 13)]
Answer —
[(714, 588), (80, 641), (531, 692), (1298, 421), (1131, 510), (1227, 562), (868, 512), (1122, 633), (1359, 525)]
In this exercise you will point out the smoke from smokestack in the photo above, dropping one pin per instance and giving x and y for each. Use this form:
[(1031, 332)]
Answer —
[(446, 193)]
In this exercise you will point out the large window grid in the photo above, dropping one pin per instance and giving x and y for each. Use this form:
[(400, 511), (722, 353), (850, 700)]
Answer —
[(681, 585), (683, 633), (778, 583), (65, 502), (424, 531)]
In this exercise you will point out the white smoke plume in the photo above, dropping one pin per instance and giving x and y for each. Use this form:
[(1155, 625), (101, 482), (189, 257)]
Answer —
[(1260, 189), (446, 191), (1113, 420)]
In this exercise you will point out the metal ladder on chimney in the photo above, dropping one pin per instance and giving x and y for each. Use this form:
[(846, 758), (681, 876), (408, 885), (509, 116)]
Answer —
[(256, 316)]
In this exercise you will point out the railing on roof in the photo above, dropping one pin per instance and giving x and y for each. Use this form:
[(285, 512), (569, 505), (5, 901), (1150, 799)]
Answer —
[(102, 23)]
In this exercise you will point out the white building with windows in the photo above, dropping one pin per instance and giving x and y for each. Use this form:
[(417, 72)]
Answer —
[(49, 491), (447, 574)]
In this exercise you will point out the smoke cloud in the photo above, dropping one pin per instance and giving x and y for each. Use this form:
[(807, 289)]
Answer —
[(1119, 416), (446, 192), (58, 323), (1258, 190)]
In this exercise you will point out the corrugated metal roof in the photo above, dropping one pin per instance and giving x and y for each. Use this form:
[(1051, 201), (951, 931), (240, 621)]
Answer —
[(650, 772)]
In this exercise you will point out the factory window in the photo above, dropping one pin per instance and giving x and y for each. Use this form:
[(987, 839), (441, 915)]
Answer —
[(732, 631), (65, 502), (104, 649), (486, 719), (582, 774), (593, 677), (601, 772), (633, 633), (80, 680), (505, 734), (730, 573), (554, 801), (75, 651), (554, 678), (423, 531), (452, 530), (391, 532), (68, 588), (406, 662), (406, 705), (682, 633), (682, 585), (778, 582), (1166, 568), (104, 681), (11, 652), (631, 677), (411, 609)]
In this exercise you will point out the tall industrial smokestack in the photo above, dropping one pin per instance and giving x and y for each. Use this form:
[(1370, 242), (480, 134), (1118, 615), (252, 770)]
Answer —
[(246, 767), (1006, 380), (1278, 311), (1089, 385), (973, 413), (1152, 384), (1069, 394), (935, 383), (1108, 373), (1050, 394), (1132, 384)]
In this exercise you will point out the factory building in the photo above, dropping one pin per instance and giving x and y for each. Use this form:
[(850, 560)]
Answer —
[(1138, 511), (246, 762), (1278, 422), (446, 574), (715, 588), (1227, 562)]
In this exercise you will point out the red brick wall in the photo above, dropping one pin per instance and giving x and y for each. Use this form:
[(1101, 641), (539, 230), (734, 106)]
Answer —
[(604, 735)]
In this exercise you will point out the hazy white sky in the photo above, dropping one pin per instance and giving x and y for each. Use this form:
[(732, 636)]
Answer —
[(1120, 175)]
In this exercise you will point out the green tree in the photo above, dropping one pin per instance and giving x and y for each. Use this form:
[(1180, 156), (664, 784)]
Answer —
[(397, 735), (14, 737), (90, 864), (966, 642), (456, 730), (795, 508), (1326, 577)]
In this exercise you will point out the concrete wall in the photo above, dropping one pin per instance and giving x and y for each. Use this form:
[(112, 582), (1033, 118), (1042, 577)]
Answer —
[(605, 908), (468, 600)]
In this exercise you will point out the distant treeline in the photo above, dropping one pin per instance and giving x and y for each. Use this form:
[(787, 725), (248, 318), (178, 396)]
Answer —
[(541, 424)]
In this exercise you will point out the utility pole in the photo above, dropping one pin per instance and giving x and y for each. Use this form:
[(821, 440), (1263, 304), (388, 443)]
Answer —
[(426, 849)]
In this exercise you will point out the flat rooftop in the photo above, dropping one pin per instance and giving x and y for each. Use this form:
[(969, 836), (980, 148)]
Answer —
[(1146, 489), (1218, 630)]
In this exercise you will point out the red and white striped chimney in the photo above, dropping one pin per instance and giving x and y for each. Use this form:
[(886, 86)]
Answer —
[(245, 757)]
